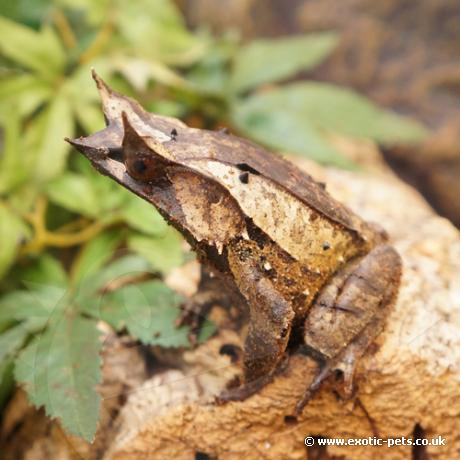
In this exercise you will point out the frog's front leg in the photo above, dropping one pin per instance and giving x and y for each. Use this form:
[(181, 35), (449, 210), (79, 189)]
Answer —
[(211, 291), (270, 320), (350, 312)]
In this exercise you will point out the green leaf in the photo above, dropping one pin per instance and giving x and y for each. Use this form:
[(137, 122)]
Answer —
[(94, 255), (60, 370), (299, 117), (46, 270), (52, 125), (337, 110), (89, 116), (11, 341), (282, 130), (14, 167), (26, 92), (140, 71), (36, 305), (74, 192), (12, 231), (264, 61), (156, 30), (40, 51), (124, 266), (148, 310), (163, 253), (142, 216)]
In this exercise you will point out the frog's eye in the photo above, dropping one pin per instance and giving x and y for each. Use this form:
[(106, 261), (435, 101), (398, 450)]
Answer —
[(141, 162), (141, 167)]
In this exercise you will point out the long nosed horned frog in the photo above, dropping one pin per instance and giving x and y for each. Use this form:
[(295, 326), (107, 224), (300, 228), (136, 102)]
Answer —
[(300, 261)]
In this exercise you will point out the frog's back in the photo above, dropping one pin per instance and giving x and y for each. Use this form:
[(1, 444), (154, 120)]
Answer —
[(249, 156)]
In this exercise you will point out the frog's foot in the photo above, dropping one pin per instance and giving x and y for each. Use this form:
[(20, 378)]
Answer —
[(244, 391), (345, 364)]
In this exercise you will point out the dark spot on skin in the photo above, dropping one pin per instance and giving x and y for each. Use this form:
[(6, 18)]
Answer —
[(230, 350), (338, 374), (326, 246), (174, 134), (245, 167), (224, 130), (284, 332), (322, 185), (290, 420), (139, 166), (244, 177)]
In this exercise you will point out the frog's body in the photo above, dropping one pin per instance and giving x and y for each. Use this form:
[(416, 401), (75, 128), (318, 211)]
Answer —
[(274, 234)]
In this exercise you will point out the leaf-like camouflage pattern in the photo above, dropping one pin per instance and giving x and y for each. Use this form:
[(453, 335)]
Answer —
[(189, 144)]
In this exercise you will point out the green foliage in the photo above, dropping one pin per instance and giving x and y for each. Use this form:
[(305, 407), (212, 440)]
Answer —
[(300, 116), (60, 369), (76, 248), (268, 61)]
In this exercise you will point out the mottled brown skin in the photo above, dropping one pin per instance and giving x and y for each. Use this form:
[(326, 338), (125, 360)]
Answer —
[(274, 235)]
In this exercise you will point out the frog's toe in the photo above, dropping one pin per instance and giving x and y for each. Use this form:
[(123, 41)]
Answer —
[(244, 391)]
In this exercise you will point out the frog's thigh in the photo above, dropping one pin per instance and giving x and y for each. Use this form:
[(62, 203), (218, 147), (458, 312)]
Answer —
[(350, 312), (354, 304), (270, 319)]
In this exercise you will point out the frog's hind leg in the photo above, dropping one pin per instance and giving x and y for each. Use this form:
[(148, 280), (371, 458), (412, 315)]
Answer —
[(349, 313)]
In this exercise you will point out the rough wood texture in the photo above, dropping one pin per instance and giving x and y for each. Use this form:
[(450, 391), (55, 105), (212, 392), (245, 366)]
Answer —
[(411, 379)]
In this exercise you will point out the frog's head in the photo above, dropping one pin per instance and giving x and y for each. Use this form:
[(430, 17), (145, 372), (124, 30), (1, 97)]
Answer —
[(155, 157), (142, 141)]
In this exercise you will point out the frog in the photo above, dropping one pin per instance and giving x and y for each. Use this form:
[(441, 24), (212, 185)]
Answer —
[(302, 263)]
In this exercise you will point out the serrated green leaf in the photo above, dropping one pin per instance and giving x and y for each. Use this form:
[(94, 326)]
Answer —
[(12, 231), (142, 216), (55, 123), (60, 370), (94, 255), (164, 253), (40, 51), (148, 310), (92, 288), (74, 192), (11, 341), (36, 304), (265, 61), (282, 130)]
